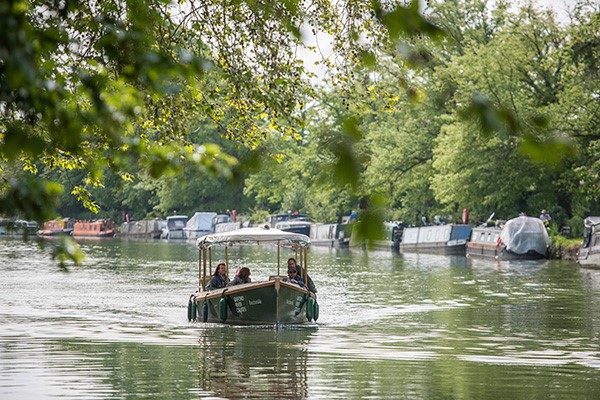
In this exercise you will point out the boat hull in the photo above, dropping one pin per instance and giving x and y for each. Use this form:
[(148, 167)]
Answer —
[(193, 234), (514, 244), (498, 253), (101, 235), (303, 230), (437, 239), (331, 242), (55, 232), (392, 233), (172, 234), (589, 254), (262, 303), (329, 235), (142, 229), (434, 248), (589, 257)]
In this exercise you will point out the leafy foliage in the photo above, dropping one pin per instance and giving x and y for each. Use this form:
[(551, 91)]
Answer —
[(151, 107)]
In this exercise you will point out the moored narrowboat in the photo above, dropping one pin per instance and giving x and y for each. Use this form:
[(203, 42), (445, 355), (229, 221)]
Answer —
[(101, 228), (17, 228), (330, 235), (57, 227), (438, 239), (589, 253), (521, 238), (145, 229), (391, 232)]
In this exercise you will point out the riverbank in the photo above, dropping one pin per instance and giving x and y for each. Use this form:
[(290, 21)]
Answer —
[(562, 248)]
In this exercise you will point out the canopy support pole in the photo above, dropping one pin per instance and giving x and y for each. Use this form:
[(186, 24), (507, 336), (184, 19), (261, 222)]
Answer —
[(305, 266), (200, 269), (203, 269)]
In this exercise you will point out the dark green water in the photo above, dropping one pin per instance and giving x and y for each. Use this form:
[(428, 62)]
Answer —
[(391, 326)]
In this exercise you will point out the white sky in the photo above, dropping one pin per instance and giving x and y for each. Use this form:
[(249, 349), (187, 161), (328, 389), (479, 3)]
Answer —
[(559, 6)]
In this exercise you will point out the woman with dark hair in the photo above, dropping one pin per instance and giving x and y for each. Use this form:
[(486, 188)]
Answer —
[(219, 278), (242, 276)]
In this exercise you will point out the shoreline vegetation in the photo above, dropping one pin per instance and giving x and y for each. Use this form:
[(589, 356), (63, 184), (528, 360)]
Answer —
[(562, 248), (428, 109)]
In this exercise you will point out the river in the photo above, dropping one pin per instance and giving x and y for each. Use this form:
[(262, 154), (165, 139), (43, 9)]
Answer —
[(391, 326)]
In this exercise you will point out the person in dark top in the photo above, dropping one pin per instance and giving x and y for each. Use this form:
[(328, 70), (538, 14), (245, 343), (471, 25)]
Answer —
[(310, 284), (219, 278), (293, 277), (242, 276)]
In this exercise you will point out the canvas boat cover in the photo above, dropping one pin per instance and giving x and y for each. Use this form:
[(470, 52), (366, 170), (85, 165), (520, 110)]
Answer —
[(201, 221), (262, 234), (522, 235)]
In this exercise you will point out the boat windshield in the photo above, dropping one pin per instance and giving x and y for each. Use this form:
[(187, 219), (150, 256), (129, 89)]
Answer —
[(176, 223)]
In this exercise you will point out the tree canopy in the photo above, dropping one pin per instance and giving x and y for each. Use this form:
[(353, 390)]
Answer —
[(153, 107)]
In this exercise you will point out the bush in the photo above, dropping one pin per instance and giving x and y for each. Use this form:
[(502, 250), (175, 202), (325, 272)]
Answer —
[(563, 248), (576, 225)]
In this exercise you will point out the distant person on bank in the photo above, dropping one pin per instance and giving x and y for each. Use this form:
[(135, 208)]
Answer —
[(545, 217)]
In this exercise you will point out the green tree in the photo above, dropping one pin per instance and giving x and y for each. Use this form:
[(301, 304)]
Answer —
[(521, 162)]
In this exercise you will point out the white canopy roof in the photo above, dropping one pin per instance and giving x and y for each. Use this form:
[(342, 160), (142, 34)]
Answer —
[(262, 234)]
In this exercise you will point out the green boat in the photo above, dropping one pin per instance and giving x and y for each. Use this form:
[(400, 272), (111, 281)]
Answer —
[(271, 302)]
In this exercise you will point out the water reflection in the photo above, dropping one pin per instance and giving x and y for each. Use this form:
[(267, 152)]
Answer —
[(433, 260), (518, 266), (254, 362)]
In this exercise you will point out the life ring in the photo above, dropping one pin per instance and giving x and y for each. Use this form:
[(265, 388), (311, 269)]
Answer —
[(316, 311)]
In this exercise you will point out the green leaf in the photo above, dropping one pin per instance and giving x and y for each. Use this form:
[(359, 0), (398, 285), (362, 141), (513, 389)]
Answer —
[(552, 151), (407, 21)]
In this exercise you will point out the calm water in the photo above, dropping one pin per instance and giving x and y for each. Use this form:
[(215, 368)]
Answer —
[(391, 326)]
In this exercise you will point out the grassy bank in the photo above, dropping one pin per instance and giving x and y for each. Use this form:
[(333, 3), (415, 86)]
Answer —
[(563, 248)]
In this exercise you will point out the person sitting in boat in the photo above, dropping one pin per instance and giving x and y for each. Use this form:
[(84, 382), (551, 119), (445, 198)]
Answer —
[(293, 265), (293, 277), (219, 278), (242, 276)]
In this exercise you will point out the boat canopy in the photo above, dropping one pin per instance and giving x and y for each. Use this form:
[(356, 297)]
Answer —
[(201, 221), (523, 234), (262, 234)]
